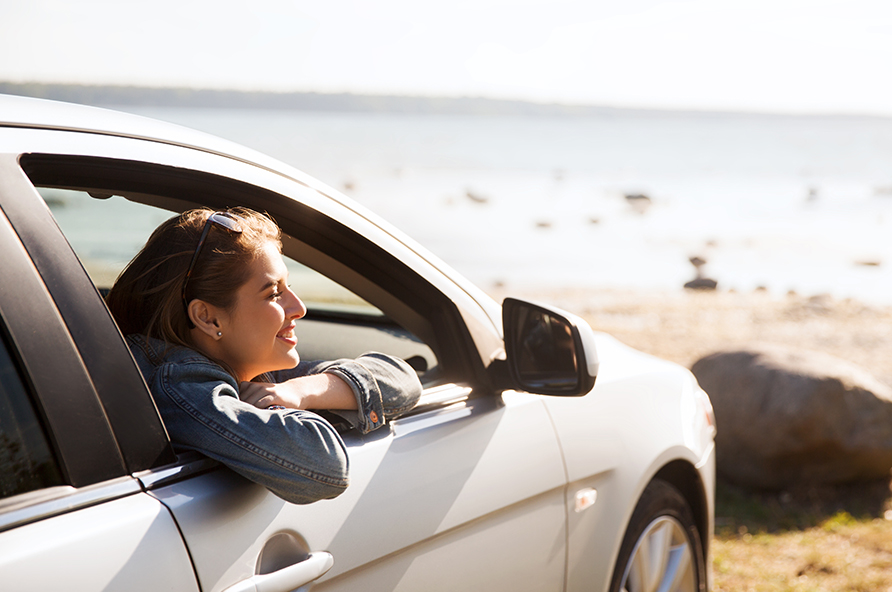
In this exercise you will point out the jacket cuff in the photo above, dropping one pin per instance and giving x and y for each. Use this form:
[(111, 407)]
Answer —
[(370, 407)]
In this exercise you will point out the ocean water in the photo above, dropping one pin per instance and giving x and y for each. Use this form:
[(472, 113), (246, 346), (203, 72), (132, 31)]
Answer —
[(776, 202)]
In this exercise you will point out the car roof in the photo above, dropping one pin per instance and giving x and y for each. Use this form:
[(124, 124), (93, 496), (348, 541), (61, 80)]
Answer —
[(28, 112), (44, 114)]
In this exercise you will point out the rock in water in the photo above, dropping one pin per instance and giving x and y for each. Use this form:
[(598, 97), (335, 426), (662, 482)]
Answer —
[(701, 283), (639, 201), (788, 417)]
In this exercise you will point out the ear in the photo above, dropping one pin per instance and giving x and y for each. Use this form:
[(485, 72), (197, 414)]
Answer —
[(206, 317)]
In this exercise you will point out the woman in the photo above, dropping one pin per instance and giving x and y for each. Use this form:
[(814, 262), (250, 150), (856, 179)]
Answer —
[(209, 316)]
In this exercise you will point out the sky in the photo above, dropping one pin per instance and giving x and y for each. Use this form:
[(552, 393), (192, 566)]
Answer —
[(792, 56)]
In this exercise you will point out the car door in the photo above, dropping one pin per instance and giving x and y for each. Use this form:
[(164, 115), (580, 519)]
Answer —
[(466, 497), (70, 515), (467, 491)]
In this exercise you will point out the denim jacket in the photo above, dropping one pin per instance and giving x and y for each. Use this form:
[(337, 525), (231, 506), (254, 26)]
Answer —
[(296, 454)]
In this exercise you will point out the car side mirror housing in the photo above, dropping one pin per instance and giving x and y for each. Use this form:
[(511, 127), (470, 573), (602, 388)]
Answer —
[(548, 351)]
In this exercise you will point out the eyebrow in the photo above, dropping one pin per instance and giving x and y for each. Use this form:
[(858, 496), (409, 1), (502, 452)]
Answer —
[(271, 283), (267, 285)]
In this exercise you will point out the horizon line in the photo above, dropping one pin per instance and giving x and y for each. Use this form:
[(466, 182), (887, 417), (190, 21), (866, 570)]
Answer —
[(99, 94)]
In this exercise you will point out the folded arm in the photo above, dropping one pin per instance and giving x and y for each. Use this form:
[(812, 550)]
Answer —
[(381, 387), (296, 454)]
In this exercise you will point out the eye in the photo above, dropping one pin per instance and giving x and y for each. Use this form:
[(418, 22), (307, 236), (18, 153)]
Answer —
[(278, 292)]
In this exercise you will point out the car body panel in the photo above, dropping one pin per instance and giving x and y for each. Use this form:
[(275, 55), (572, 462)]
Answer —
[(627, 377), (611, 456), (443, 485), (125, 545), (474, 489)]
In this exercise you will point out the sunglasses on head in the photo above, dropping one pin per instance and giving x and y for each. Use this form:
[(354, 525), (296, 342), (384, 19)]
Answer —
[(224, 220)]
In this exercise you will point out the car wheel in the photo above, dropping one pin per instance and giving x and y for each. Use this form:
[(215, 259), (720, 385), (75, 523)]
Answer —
[(661, 549)]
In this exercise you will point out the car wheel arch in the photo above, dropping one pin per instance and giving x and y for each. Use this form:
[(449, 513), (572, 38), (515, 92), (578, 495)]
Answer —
[(661, 544), (686, 479)]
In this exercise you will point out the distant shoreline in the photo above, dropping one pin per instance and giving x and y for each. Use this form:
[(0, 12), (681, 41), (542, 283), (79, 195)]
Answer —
[(119, 95)]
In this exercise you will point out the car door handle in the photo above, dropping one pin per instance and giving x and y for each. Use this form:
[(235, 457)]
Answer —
[(287, 578)]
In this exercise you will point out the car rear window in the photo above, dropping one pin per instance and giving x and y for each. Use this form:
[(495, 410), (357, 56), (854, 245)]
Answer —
[(26, 459)]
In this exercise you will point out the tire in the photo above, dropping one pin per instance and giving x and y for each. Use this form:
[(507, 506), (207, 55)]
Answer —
[(661, 549)]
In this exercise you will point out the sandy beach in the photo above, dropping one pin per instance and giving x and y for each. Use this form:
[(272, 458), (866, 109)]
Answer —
[(684, 326)]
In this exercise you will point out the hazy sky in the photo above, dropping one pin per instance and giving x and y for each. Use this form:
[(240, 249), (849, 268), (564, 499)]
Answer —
[(774, 55)]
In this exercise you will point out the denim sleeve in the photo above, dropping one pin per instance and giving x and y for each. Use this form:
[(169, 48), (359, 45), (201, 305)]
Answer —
[(384, 386), (296, 454)]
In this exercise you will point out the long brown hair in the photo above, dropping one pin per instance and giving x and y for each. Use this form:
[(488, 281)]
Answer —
[(147, 296)]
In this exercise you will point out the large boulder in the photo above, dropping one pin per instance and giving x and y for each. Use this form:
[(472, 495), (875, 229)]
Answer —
[(788, 417)]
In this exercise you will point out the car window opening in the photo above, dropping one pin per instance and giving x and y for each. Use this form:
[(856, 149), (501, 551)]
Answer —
[(107, 229)]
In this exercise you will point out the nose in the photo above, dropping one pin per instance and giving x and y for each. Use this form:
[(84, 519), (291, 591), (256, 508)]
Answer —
[(295, 307)]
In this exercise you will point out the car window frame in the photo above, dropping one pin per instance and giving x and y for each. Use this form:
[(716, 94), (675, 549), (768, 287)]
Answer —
[(78, 430), (124, 398), (326, 244)]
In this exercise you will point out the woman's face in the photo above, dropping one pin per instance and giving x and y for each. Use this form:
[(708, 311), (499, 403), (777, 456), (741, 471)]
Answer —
[(258, 333)]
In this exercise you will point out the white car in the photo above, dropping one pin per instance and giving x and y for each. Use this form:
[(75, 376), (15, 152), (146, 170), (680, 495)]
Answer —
[(540, 457)]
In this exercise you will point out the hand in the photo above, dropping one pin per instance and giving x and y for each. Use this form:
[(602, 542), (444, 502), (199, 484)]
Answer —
[(266, 394), (318, 391)]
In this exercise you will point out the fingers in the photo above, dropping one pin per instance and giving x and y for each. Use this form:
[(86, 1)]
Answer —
[(258, 394), (292, 394)]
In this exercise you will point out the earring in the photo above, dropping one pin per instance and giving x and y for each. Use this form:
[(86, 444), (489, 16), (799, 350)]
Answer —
[(219, 333)]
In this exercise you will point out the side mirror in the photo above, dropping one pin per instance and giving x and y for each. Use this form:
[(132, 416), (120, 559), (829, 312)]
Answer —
[(548, 351)]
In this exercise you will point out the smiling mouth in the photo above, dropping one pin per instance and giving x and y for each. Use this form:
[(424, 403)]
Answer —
[(287, 335)]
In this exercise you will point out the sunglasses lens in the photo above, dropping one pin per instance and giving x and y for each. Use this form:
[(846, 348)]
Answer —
[(227, 221)]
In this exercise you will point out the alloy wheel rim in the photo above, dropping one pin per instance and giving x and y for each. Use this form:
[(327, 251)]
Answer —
[(662, 560)]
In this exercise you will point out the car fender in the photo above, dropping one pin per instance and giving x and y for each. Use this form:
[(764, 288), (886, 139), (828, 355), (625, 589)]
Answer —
[(616, 460)]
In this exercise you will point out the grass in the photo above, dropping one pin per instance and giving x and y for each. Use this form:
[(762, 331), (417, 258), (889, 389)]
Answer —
[(813, 539)]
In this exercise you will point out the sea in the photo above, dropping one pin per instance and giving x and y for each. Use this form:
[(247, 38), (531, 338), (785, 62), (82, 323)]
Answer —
[(619, 201)]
